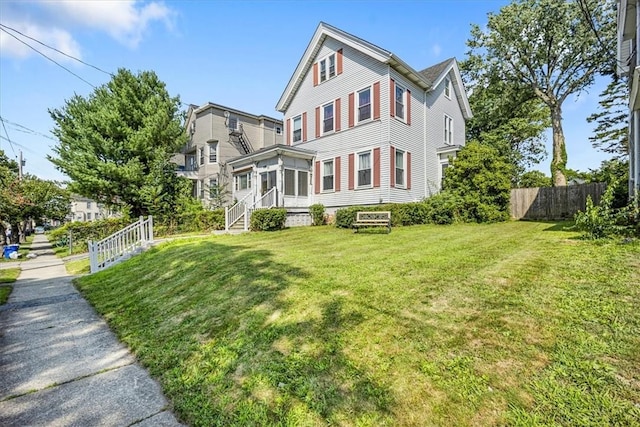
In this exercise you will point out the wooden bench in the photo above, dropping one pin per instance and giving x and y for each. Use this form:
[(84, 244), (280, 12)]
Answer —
[(372, 219)]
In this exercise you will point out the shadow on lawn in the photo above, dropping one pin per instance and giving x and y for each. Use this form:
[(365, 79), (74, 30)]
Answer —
[(219, 325)]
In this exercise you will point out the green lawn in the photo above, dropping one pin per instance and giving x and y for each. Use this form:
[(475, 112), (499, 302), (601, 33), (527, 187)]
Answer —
[(518, 323), (7, 275)]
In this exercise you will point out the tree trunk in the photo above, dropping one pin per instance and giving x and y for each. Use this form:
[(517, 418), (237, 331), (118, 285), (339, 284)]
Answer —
[(559, 160)]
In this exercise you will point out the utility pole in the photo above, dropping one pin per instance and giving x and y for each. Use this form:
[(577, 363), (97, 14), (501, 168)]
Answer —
[(20, 165)]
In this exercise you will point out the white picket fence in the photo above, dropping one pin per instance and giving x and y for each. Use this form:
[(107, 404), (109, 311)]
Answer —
[(121, 244)]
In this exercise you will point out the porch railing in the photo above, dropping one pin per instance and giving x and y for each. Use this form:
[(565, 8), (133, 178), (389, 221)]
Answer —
[(235, 212), (268, 200), (119, 245)]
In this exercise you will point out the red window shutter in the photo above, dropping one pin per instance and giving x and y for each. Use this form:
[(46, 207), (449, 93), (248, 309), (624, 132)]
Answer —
[(316, 180), (376, 100), (287, 129), (352, 106), (352, 162), (376, 167), (337, 173), (304, 126), (392, 152), (337, 114), (317, 122), (408, 171), (392, 100), (339, 61), (315, 74), (408, 107)]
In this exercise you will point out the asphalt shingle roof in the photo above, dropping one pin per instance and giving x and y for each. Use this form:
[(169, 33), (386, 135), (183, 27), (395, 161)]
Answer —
[(433, 72)]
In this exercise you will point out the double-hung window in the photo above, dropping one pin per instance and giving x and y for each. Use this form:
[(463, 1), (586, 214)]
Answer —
[(327, 175), (201, 151), (243, 181), (213, 152), (400, 168), (327, 67), (233, 123), (364, 169), (364, 104), (297, 128), (400, 101), (327, 118), (213, 187), (448, 130)]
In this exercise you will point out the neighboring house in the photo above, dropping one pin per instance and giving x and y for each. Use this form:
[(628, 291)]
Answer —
[(85, 209), (361, 128), (629, 66), (217, 134)]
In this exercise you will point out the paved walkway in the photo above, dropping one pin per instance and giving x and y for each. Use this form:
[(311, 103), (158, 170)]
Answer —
[(60, 365)]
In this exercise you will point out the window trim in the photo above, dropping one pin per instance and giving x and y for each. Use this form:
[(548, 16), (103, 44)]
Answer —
[(238, 181), (448, 130), (296, 183), (215, 153), (201, 156), (404, 168), (333, 118), (326, 61), (357, 104), (333, 176), (447, 87), (357, 169), (293, 127), (404, 102), (278, 130)]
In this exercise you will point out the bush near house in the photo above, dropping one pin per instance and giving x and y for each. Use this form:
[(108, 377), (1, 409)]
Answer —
[(268, 219), (192, 221), (317, 214)]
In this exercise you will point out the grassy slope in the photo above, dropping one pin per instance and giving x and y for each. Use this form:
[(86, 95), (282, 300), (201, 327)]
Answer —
[(7, 275), (515, 323)]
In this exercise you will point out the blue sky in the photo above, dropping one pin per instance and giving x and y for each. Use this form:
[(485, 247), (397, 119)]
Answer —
[(236, 53)]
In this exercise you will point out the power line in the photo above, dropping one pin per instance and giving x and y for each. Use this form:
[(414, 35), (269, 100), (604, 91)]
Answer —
[(7, 138), (18, 145), (26, 129), (37, 51), (57, 50)]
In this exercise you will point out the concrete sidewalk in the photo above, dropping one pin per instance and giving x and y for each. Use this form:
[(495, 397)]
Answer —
[(60, 365)]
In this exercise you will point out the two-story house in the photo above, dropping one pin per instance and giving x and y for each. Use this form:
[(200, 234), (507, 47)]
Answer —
[(216, 134), (85, 209), (361, 127), (628, 31)]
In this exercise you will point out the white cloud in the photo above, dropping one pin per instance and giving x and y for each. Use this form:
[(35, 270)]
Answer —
[(125, 21), (54, 23), (55, 37), (436, 49)]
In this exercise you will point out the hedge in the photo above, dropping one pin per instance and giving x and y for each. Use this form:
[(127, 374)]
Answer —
[(268, 219)]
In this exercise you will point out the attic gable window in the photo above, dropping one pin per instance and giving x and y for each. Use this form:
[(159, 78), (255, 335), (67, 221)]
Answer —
[(447, 87), (327, 67)]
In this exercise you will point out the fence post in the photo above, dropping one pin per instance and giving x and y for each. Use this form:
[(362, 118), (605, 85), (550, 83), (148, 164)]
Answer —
[(226, 218), (93, 262), (150, 229), (246, 217), (143, 235)]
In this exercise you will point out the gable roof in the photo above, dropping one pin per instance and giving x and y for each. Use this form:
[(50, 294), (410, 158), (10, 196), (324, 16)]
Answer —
[(426, 79)]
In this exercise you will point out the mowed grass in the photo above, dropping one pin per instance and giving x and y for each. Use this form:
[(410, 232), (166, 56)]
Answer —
[(7, 275), (517, 323)]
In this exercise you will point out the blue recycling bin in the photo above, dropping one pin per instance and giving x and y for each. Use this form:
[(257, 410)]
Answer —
[(9, 249)]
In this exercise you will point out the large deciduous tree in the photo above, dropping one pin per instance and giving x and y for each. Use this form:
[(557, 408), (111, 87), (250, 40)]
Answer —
[(552, 48), (506, 117), (115, 144)]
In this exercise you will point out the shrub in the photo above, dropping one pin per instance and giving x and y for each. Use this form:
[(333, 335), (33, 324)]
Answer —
[(81, 232), (599, 221), (413, 213), (268, 219), (317, 214), (345, 217), (443, 208)]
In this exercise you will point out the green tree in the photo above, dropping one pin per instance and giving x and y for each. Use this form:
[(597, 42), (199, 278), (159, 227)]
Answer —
[(480, 177), (115, 144), (508, 118), (549, 48), (534, 178), (611, 132)]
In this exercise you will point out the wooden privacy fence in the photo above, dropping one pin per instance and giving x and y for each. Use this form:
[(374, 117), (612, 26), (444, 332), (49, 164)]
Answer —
[(553, 202)]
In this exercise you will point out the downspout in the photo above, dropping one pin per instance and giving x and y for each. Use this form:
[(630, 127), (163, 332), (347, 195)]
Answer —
[(424, 145), (388, 132)]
